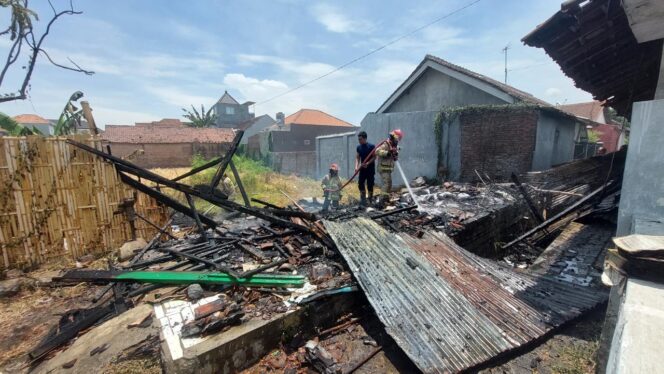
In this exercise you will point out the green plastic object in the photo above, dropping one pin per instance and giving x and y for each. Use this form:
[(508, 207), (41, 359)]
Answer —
[(190, 277)]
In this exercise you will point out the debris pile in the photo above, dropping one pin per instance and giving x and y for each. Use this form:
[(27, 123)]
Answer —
[(254, 266)]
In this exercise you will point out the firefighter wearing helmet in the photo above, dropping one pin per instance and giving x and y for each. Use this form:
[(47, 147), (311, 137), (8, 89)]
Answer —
[(331, 188), (388, 154)]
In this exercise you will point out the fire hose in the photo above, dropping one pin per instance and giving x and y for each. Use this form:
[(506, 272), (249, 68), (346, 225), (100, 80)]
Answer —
[(370, 158)]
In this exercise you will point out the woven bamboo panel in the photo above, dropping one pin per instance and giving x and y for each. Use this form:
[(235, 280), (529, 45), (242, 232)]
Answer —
[(57, 200)]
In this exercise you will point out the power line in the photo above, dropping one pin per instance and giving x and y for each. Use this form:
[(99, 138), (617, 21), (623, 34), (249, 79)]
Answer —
[(532, 66), (371, 52)]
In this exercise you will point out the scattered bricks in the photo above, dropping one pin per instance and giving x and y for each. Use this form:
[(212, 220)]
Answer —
[(209, 308), (320, 273), (266, 246)]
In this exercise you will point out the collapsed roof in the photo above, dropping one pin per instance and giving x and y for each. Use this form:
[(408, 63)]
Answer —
[(594, 45)]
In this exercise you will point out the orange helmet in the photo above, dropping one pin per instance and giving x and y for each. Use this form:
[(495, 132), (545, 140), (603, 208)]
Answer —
[(397, 134), (334, 167)]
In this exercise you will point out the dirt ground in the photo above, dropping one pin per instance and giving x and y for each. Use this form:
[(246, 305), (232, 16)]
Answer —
[(570, 351), (26, 317)]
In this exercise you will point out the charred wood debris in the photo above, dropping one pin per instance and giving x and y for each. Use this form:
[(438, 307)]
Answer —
[(265, 259)]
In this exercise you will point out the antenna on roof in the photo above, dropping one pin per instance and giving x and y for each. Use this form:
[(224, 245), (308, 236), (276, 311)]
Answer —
[(505, 52)]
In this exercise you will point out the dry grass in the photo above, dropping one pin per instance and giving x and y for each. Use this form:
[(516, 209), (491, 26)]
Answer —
[(260, 182), (576, 358)]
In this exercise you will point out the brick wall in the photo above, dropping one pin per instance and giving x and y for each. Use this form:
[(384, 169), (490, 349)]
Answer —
[(497, 142), (168, 155)]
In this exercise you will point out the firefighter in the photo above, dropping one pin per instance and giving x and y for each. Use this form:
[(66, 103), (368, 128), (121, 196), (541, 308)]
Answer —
[(331, 188), (388, 154)]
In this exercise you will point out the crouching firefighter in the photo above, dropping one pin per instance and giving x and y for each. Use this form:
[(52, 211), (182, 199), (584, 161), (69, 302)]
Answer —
[(388, 154), (331, 188)]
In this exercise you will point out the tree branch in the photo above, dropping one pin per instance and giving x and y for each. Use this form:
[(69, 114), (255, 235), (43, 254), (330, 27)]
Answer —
[(76, 69), (27, 35)]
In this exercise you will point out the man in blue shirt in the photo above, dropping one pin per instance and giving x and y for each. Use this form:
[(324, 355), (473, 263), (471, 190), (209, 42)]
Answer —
[(366, 171)]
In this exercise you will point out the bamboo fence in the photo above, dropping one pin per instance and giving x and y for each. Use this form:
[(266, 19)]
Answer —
[(57, 200)]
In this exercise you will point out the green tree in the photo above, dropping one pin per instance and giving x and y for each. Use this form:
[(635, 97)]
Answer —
[(593, 136), (612, 115), (200, 119), (14, 128), (70, 117)]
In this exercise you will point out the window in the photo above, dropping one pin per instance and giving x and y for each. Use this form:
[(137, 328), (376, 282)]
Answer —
[(307, 142), (230, 110)]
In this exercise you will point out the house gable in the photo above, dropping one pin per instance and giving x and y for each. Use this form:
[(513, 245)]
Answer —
[(430, 89), (461, 83)]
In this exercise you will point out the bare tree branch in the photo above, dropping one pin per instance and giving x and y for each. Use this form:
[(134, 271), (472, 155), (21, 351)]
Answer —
[(21, 26), (77, 69)]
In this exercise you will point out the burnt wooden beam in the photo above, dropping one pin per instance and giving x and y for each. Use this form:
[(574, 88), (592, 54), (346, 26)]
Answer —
[(570, 209), (239, 183), (226, 159), (159, 229), (529, 201), (166, 200), (68, 331), (197, 170), (127, 167), (197, 218), (269, 205), (201, 260)]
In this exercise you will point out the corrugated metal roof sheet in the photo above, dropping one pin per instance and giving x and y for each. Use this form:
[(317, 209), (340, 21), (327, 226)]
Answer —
[(448, 309)]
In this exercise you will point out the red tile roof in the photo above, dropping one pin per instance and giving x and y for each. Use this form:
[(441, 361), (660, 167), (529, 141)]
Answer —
[(171, 122), (591, 110), (168, 135), (314, 117), (30, 118)]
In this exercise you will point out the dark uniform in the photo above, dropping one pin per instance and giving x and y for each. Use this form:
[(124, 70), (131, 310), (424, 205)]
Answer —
[(366, 175)]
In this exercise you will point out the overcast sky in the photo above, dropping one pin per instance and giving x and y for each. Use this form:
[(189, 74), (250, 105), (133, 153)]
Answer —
[(153, 58)]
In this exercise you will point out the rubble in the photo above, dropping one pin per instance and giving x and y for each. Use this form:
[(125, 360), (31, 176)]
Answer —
[(253, 266)]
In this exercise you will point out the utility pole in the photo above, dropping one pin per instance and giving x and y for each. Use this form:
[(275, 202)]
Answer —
[(505, 52)]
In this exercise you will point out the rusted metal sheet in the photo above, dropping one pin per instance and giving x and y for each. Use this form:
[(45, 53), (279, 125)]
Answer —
[(450, 310)]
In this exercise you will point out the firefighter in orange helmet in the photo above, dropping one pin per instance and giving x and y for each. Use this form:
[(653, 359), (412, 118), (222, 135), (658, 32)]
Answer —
[(331, 188), (388, 154)]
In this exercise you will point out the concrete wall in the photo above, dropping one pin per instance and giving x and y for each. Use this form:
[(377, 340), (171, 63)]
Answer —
[(168, 155), (340, 149), (299, 163), (555, 141), (262, 123), (435, 90), (494, 142), (419, 151), (642, 194), (301, 138)]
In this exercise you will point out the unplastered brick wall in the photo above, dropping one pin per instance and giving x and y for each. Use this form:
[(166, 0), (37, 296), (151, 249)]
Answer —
[(166, 155), (497, 142)]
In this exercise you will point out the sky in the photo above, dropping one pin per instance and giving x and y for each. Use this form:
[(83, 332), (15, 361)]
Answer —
[(152, 58)]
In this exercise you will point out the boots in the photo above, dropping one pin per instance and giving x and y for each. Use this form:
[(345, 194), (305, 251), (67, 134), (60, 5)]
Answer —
[(371, 199), (363, 199)]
